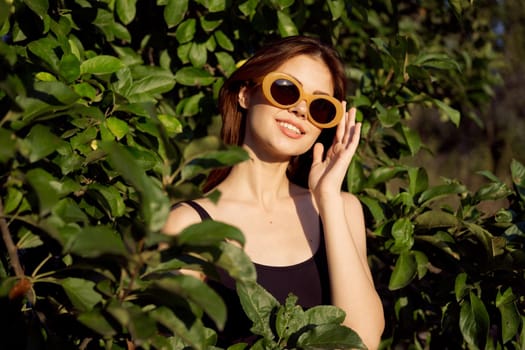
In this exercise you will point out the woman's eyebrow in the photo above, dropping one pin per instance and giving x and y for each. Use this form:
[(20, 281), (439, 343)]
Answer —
[(316, 92)]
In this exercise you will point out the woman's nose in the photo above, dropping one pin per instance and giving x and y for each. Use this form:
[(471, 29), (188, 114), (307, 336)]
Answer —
[(300, 109)]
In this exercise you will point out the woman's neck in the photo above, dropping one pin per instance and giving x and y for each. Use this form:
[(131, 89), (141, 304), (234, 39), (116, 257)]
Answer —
[(256, 180)]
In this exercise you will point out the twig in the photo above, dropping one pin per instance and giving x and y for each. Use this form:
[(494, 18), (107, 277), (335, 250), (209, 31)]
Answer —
[(10, 245)]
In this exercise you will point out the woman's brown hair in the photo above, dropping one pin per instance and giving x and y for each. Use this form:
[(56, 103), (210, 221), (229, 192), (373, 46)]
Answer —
[(264, 61)]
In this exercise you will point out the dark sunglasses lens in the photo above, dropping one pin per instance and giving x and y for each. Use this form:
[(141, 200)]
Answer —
[(323, 111), (284, 92)]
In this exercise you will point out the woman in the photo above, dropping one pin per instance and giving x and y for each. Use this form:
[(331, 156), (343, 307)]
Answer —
[(303, 234)]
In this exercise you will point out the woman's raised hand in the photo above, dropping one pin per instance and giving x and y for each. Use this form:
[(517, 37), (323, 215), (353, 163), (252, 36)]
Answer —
[(327, 175)]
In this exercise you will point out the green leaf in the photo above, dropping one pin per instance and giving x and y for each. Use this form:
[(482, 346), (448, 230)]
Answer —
[(337, 8), (355, 177), (4, 14), (258, 304), (421, 262), (330, 336), (290, 318), (375, 208), (12, 200), (234, 260), (126, 10), (85, 90), (97, 322), (198, 54), (510, 321), (474, 322), (437, 61), (404, 271), (95, 241), (186, 31), (412, 139), (102, 64), (200, 293), (440, 191), (403, 234), (192, 76), (141, 326), (53, 96), (174, 12), (39, 7), (518, 177), (436, 218), (153, 84), (7, 145), (383, 174), (223, 40), (214, 5), (209, 232), (214, 159), (69, 211), (249, 8), (171, 124), (286, 25), (210, 23), (81, 293), (28, 240), (110, 199), (154, 202), (506, 298), (448, 111), (47, 188), (460, 286), (44, 49), (118, 127), (69, 67), (192, 105), (323, 314), (226, 63), (418, 180)]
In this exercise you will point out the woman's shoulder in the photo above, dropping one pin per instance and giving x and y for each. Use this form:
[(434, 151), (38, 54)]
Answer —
[(182, 215)]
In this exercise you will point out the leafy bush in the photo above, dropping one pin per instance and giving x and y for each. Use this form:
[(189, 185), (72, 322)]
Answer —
[(108, 115)]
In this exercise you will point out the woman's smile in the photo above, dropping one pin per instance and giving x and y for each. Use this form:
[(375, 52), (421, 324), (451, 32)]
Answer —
[(290, 129)]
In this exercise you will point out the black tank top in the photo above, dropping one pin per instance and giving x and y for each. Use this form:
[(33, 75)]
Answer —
[(307, 280)]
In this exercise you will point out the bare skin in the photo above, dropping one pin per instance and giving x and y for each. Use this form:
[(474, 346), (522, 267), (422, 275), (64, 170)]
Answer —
[(280, 219)]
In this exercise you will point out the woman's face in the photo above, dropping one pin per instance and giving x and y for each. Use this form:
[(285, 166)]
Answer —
[(276, 134)]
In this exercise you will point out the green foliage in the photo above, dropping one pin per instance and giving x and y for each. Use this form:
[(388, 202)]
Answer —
[(108, 115)]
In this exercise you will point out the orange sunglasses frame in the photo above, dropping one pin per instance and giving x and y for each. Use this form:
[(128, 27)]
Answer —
[(271, 77)]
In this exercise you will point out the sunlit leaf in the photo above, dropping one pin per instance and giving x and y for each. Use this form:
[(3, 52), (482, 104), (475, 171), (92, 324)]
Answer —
[(174, 12), (440, 191), (102, 64), (126, 10), (286, 25), (223, 40), (192, 76), (186, 30)]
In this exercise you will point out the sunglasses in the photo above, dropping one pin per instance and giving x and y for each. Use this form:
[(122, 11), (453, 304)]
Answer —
[(283, 91)]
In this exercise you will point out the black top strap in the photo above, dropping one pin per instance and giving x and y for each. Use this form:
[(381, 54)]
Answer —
[(198, 208)]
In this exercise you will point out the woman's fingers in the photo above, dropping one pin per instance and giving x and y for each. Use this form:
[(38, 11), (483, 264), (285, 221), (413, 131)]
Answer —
[(341, 128), (349, 126)]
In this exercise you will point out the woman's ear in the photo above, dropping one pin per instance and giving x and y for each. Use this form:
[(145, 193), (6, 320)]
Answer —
[(244, 97)]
